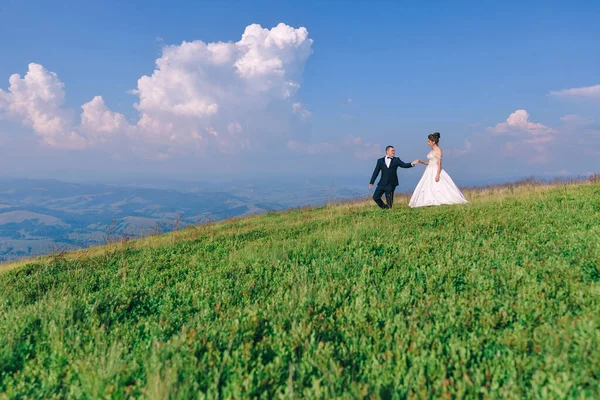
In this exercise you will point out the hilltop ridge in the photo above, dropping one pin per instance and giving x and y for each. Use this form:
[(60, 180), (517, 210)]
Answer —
[(495, 298)]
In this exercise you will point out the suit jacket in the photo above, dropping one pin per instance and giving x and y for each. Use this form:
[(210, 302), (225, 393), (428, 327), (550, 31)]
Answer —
[(389, 176)]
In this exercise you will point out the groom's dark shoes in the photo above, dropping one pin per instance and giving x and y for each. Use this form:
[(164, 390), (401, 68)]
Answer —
[(388, 190)]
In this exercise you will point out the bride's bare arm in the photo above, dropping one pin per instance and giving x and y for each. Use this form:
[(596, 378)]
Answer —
[(439, 171), (424, 162)]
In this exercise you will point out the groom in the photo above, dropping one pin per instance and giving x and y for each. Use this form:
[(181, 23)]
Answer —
[(388, 166)]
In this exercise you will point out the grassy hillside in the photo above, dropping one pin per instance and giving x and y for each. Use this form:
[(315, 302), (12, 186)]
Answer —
[(495, 299)]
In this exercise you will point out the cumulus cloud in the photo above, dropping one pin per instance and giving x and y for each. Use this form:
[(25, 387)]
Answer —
[(200, 90), (37, 101), (200, 96), (525, 136), (536, 143), (588, 91), (518, 123), (100, 125)]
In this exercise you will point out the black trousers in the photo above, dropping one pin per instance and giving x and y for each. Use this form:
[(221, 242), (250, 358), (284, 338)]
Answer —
[(388, 190)]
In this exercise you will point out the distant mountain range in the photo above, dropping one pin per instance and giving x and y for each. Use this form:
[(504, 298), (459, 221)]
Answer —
[(43, 216)]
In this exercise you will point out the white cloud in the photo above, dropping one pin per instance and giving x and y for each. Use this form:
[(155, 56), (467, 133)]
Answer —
[(527, 142), (269, 54), (178, 87), (518, 123), (460, 152), (589, 91), (210, 130), (220, 87), (200, 97), (576, 119), (299, 109), (525, 137), (99, 125), (37, 100)]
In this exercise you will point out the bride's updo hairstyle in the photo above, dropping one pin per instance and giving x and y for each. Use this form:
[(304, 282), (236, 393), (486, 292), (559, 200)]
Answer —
[(434, 137)]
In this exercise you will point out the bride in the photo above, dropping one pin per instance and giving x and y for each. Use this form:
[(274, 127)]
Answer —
[(435, 187)]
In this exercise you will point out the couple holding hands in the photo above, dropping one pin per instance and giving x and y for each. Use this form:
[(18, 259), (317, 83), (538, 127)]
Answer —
[(435, 187)]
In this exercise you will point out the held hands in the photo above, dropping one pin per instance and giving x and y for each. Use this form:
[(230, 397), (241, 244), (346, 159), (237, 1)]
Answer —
[(416, 162)]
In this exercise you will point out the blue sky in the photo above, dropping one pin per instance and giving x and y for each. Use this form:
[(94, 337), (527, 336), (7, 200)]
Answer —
[(375, 73)]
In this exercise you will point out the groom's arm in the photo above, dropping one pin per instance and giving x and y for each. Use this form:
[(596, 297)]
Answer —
[(403, 164), (375, 173)]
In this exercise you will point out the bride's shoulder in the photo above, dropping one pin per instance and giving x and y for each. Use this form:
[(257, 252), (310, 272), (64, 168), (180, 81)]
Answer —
[(438, 152)]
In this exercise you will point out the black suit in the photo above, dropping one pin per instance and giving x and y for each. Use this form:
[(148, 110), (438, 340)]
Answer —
[(388, 181)]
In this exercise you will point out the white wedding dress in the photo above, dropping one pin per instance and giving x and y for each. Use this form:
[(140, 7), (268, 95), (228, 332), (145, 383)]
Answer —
[(431, 193)]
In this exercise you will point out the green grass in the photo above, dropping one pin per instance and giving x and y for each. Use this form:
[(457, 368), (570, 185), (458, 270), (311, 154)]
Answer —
[(495, 299)]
